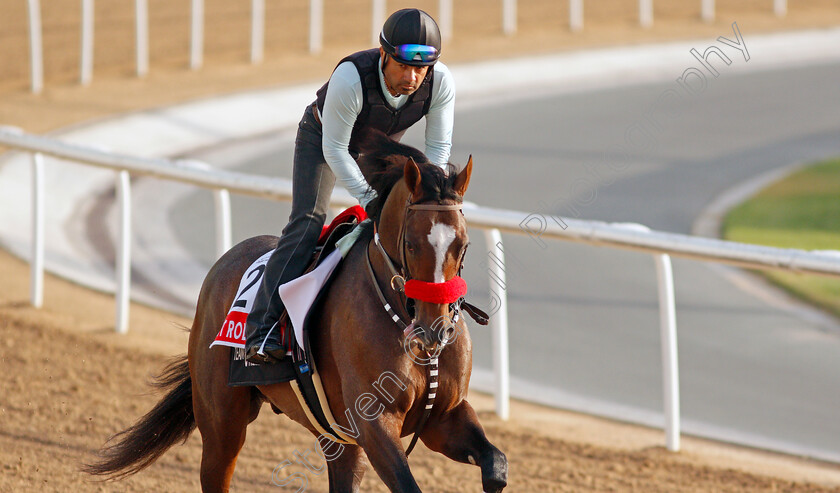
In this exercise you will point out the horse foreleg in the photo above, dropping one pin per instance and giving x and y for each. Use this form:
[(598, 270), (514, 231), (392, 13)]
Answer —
[(380, 439), (459, 436), (347, 469)]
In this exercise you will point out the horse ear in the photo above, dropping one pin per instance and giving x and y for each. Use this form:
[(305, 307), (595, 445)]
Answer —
[(412, 177), (463, 178)]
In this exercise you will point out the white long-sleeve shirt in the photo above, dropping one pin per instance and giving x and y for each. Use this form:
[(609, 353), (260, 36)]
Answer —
[(343, 104)]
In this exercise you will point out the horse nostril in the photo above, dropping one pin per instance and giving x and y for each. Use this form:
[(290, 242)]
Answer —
[(427, 340), (417, 344), (448, 334)]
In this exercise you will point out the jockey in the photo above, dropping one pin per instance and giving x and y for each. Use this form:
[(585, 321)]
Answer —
[(390, 88)]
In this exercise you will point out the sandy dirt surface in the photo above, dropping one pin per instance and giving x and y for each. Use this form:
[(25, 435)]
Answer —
[(68, 382)]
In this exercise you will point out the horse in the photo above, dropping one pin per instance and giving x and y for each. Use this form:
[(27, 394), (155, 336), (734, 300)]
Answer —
[(418, 229)]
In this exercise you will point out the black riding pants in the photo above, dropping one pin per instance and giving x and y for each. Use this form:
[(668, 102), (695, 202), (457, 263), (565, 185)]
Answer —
[(312, 185)]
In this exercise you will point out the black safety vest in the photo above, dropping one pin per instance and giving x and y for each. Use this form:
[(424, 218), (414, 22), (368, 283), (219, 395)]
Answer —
[(376, 112)]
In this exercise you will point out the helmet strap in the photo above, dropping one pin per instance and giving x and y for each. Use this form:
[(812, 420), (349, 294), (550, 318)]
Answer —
[(385, 77)]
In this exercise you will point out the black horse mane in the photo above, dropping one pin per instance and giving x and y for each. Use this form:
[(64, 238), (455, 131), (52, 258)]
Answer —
[(382, 161)]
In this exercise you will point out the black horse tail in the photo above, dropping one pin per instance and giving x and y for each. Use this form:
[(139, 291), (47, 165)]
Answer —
[(171, 420)]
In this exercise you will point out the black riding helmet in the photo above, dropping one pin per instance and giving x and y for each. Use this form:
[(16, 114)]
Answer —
[(411, 37)]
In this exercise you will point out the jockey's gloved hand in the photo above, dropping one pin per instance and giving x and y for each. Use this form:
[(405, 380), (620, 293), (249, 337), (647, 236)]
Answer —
[(366, 199)]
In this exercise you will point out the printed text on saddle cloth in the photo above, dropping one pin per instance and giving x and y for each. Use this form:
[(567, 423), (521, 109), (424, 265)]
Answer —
[(232, 333), (299, 293)]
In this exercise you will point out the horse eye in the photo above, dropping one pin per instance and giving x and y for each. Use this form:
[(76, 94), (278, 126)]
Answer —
[(463, 254), (409, 246)]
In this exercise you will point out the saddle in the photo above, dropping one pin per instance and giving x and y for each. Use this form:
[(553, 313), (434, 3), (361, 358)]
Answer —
[(243, 373)]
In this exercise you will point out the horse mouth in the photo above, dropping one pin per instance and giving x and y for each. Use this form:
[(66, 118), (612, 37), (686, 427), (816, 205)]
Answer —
[(431, 340)]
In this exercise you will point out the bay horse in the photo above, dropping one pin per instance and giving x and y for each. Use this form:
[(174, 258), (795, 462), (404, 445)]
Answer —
[(355, 343)]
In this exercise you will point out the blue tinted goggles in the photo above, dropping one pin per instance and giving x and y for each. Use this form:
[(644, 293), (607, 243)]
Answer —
[(416, 53)]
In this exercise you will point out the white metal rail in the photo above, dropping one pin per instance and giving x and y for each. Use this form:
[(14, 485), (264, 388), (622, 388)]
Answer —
[(316, 29), (492, 221)]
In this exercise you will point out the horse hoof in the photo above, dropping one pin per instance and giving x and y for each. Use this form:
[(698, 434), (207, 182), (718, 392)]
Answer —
[(493, 485), (494, 473)]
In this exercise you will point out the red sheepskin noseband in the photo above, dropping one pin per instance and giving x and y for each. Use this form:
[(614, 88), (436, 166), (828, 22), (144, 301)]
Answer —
[(436, 292)]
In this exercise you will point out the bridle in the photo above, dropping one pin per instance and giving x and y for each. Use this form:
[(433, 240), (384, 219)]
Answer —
[(400, 279)]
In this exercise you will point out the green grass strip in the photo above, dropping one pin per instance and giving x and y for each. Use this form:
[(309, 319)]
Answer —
[(800, 211)]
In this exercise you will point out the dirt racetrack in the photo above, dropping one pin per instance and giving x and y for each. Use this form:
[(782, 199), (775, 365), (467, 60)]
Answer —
[(68, 382)]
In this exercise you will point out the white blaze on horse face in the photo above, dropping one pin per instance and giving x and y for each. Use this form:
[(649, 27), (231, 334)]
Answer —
[(440, 237)]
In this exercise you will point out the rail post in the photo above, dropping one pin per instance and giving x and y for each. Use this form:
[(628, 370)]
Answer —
[(123, 260), (499, 324), (445, 18), (707, 10), (780, 7), (509, 17), (224, 236), (36, 285), (36, 46), (668, 335), (377, 18), (575, 15), (646, 13), (141, 32), (86, 69), (196, 34), (257, 30), (316, 26)]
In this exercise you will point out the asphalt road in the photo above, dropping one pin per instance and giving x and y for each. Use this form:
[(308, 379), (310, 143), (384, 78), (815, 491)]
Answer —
[(584, 320)]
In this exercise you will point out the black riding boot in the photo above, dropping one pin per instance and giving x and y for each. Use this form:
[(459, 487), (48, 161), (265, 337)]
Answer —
[(313, 183), (262, 331)]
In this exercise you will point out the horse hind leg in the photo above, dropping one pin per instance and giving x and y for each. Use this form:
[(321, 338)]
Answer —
[(459, 436), (222, 427)]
